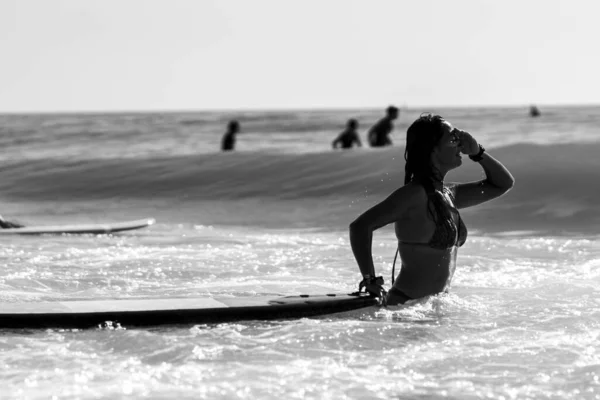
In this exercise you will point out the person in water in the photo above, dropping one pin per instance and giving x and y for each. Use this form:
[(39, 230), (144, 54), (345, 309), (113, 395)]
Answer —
[(348, 137), (425, 211), (379, 134), (534, 111), (4, 224), (228, 142)]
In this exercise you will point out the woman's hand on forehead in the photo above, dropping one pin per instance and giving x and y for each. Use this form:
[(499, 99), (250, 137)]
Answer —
[(468, 143)]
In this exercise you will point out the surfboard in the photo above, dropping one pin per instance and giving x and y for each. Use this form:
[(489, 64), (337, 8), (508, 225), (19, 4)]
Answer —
[(79, 229), (84, 314)]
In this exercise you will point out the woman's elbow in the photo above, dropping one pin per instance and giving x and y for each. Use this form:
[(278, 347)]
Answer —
[(361, 226), (504, 184), (505, 187), (510, 183), (357, 226), (354, 226)]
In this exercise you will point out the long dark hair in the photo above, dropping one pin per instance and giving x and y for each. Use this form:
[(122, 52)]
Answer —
[(421, 137)]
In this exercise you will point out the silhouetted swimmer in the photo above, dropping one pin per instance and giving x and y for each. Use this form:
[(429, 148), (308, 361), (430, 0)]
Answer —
[(228, 142), (534, 111), (348, 137), (4, 224), (379, 133)]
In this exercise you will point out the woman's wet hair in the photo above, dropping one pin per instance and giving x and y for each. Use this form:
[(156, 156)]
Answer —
[(421, 137)]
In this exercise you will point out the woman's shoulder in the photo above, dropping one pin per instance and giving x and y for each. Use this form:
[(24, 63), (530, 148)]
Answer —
[(412, 192)]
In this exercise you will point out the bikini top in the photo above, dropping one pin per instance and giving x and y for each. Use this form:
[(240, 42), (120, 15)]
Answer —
[(447, 233)]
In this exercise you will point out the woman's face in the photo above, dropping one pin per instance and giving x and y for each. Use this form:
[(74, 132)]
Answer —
[(446, 154)]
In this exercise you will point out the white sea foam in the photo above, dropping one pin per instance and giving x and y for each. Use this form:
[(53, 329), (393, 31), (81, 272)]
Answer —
[(520, 320)]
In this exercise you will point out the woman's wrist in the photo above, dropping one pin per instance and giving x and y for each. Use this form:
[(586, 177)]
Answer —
[(370, 279)]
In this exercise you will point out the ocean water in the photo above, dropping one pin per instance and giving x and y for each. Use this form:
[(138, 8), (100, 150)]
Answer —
[(521, 321)]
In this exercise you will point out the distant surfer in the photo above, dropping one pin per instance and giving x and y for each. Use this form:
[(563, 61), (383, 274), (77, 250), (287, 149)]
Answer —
[(428, 225), (228, 142), (4, 224), (348, 137), (534, 111), (379, 134)]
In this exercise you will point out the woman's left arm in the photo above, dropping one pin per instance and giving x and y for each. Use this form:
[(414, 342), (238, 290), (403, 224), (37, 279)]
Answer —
[(498, 180)]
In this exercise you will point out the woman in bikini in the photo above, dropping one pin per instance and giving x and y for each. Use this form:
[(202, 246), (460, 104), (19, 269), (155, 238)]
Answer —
[(425, 211)]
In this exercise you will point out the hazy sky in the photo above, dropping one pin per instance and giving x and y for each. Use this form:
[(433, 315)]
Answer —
[(92, 55)]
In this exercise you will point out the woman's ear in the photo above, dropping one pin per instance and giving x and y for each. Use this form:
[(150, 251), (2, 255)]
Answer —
[(433, 157)]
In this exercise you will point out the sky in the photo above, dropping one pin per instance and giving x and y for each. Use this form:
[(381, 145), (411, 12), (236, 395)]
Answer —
[(129, 55)]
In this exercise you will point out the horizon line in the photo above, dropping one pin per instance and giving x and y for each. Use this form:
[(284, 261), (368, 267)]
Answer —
[(402, 107)]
